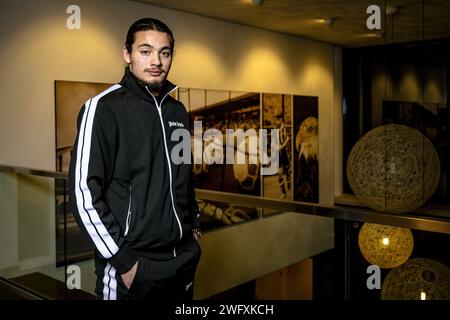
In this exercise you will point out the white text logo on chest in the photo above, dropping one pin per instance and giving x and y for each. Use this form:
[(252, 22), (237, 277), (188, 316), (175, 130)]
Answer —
[(175, 124)]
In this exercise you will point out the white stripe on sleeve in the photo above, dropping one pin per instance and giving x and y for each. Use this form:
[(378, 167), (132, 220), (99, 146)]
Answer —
[(88, 214)]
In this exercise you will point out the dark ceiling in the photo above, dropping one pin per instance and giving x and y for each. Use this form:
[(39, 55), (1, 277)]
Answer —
[(307, 18)]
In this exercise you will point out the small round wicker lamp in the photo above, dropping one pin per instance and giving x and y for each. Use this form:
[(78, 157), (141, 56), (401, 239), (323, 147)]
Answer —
[(385, 246), (417, 279), (393, 168)]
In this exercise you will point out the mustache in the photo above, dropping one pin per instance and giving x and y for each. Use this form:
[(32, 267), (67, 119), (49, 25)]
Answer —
[(154, 69)]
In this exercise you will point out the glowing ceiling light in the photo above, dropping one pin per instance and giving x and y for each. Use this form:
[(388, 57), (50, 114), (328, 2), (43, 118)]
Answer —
[(255, 2)]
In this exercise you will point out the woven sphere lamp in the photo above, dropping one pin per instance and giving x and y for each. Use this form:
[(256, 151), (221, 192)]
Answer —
[(393, 168), (417, 279), (385, 246)]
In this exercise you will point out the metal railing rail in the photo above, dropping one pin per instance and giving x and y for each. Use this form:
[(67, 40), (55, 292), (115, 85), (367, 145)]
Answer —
[(407, 220), (34, 172)]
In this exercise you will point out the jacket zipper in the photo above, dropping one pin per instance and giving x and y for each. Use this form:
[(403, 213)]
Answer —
[(127, 223), (158, 106)]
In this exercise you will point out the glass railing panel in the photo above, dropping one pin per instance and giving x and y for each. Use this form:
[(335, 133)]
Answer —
[(74, 250), (246, 254), (43, 249), (385, 262), (28, 234), (39, 239)]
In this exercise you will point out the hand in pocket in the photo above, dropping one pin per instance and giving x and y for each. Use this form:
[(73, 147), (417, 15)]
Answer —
[(128, 277)]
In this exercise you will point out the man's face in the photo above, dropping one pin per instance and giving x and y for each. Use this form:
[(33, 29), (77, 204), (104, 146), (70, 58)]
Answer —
[(150, 58)]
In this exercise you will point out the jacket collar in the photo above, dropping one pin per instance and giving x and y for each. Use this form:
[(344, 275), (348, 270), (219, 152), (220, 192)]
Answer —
[(136, 86)]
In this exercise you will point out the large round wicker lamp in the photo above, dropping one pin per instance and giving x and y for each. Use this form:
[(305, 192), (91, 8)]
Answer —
[(385, 246), (417, 279), (393, 168)]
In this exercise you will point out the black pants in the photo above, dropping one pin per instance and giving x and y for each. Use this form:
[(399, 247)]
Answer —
[(171, 280)]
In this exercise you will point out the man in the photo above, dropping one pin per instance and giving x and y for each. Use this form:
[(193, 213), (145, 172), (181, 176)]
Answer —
[(136, 206)]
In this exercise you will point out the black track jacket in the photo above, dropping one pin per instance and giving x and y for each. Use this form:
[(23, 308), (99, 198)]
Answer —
[(125, 190)]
